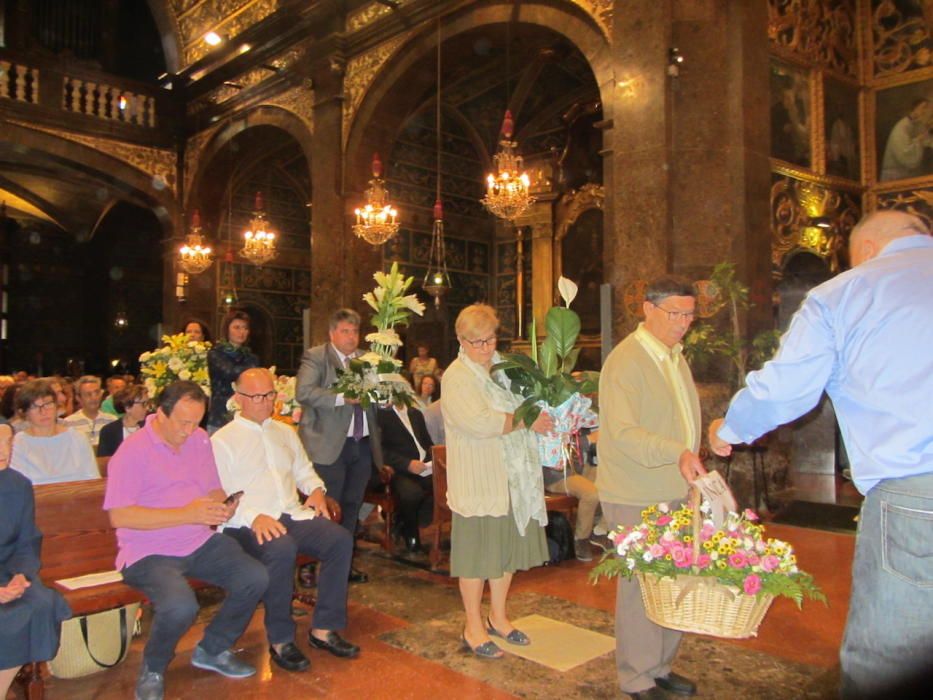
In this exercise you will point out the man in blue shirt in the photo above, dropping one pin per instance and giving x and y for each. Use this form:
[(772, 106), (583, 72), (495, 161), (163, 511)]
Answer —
[(866, 338)]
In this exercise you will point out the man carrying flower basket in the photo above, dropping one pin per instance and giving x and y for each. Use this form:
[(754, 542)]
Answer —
[(649, 438)]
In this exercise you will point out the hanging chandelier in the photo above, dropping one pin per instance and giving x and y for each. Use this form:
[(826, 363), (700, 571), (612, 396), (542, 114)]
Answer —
[(194, 257), (258, 239), (436, 280), (507, 189), (377, 221)]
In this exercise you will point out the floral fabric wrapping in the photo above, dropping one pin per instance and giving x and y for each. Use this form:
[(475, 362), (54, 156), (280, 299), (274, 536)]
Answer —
[(569, 418)]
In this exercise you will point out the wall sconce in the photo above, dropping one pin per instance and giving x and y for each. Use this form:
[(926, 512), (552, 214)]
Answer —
[(674, 60)]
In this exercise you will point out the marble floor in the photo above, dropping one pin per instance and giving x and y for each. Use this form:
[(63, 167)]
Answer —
[(407, 622)]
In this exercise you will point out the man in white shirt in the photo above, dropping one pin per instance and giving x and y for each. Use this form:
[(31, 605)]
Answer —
[(265, 460), (89, 419)]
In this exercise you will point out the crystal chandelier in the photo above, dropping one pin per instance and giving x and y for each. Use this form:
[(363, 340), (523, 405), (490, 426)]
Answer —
[(258, 239), (376, 221), (436, 280), (194, 257), (507, 189)]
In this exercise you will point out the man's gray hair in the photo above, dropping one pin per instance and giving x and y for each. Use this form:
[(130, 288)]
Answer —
[(344, 315), (87, 379), (669, 286)]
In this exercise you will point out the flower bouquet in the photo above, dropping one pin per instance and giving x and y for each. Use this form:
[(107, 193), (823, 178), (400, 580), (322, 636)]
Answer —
[(374, 377), (178, 358), (546, 382), (696, 577)]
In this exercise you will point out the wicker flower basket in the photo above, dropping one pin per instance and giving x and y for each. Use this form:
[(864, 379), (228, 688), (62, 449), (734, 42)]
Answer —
[(702, 605)]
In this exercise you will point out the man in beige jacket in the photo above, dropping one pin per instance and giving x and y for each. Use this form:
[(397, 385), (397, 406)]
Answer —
[(649, 437)]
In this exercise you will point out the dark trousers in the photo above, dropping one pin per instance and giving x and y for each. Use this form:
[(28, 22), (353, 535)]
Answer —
[(346, 479), (415, 502), (320, 538), (221, 562)]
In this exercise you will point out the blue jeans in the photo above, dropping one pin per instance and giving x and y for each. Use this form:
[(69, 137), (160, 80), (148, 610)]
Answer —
[(889, 631), (319, 538), (221, 562)]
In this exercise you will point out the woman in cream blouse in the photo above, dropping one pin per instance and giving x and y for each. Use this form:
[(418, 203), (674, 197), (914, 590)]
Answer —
[(494, 483)]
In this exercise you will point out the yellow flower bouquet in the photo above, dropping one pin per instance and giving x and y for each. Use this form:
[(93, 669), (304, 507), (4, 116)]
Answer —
[(178, 358)]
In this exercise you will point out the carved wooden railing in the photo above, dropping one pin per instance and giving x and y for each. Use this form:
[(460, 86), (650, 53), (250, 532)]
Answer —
[(62, 88)]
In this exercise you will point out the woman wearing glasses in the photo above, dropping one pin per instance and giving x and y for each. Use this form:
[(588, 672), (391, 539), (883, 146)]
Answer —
[(30, 613), (494, 483), (133, 403), (47, 451)]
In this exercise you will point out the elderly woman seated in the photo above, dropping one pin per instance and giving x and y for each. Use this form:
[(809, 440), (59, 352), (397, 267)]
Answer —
[(47, 451), (30, 613)]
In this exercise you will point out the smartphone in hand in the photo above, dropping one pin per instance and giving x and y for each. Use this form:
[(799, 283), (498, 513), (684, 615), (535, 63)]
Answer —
[(232, 498)]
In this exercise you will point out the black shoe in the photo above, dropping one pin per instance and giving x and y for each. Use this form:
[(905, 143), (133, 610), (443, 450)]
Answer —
[(290, 658), (654, 693), (675, 683), (357, 576), (335, 644)]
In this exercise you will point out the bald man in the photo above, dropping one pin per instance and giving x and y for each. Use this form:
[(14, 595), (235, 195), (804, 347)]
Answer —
[(866, 338)]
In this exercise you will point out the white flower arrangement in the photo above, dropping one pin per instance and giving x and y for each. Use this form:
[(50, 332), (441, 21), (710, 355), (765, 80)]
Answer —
[(178, 358), (374, 377)]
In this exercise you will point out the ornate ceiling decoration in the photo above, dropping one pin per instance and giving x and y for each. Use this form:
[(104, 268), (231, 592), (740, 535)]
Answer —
[(361, 71), (195, 18), (601, 12), (368, 14), (902, 35)]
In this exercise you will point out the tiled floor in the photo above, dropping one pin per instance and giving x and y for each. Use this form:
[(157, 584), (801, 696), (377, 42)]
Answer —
[(382, 613)]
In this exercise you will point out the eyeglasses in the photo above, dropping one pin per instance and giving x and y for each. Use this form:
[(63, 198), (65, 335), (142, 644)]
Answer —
[(676, 315), (482, 342), (40, 407), (259, 398), (141, 402)]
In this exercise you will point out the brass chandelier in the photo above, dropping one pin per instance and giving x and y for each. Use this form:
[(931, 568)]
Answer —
[(194, 257), (259, 240), (377, 220), (508, 193)]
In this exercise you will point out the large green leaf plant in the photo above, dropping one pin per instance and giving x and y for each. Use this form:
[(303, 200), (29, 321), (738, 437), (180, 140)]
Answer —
[(546, 375)]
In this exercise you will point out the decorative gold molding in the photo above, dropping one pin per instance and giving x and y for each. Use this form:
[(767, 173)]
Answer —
[(914, 201), (899, 43), (299, 101), (601, 12), (572, 204), (361, 70), (366, 15), (194, 149), (160, 163), (226, 17), (817, 31), (794, 204), (795, 171)]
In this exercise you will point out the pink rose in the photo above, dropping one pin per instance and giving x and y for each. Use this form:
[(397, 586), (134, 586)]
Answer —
[(752, 584), (769, 563), (656, 551), (751, 515), (703, 561), (706, 532), (664, 520), (738, 560), (680, 557)]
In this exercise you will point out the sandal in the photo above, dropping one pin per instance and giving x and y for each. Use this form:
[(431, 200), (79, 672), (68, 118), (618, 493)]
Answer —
[(514, 637), (486, 650)]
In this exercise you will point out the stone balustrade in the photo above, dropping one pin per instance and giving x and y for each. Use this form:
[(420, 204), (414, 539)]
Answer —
[(19, 82), (107, 102)]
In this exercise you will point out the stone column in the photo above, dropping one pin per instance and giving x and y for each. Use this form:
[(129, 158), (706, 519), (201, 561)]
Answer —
[(687, 172)]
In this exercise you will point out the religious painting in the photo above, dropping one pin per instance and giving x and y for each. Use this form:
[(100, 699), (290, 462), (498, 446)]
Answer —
[(790, 114), (841, 129), (904, 131)]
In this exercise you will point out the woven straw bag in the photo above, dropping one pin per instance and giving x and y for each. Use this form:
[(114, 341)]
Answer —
[(92, 643), (701, 604)]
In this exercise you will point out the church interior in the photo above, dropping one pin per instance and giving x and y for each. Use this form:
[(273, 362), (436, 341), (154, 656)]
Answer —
[(655, 137)]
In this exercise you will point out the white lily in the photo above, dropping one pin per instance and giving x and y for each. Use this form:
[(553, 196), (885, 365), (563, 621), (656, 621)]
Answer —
[(567, 289)]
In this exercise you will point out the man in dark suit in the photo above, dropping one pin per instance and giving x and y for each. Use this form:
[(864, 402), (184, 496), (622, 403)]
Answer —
[(406, 448), (339, 436)]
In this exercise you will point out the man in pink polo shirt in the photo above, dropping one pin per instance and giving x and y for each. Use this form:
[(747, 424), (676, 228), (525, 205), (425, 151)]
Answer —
[(164, 497)]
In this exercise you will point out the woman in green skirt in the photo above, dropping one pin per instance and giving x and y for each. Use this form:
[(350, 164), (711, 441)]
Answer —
[(494, 483)]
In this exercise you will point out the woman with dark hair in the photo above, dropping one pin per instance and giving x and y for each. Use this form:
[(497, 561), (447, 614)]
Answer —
[(30, 614), (225, 362), (426, 391), (196, 331), (48, 452), (133, 404)]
